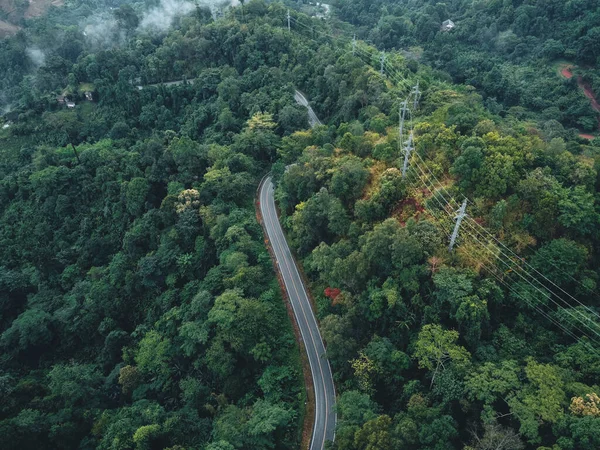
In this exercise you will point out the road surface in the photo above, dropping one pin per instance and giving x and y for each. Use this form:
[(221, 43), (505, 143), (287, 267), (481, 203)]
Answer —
[(313, 120), (325, 417), (167, 84)]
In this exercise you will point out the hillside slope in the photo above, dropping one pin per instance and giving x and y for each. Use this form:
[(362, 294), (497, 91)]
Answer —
[(14, 11)]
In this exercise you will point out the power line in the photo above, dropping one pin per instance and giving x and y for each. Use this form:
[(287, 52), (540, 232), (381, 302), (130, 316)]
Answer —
[(511, 251), (399, 79), (513, 290), (530, 303), (549, 293), (479, 227), (483, 230), (510, 266), (549, 296), (534, 269), (589, 290), (492, 271), (393, 74)]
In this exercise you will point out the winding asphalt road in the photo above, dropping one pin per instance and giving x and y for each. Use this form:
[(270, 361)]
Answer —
[(325, 417), (313, 120)]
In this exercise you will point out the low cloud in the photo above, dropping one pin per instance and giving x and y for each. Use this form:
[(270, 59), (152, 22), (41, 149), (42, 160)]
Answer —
[(103, 31), (161, 18), (218, 5), (37, 56)]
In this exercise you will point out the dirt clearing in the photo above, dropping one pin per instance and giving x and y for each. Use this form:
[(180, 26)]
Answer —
[(567, 72), (15, 11), (7, 29), (38, 7)]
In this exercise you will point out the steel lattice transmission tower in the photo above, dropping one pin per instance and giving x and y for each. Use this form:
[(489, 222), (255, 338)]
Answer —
[(408, 149), (460, 215), (417, 93)]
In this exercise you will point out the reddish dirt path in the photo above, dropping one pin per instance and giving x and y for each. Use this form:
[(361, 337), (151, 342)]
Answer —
[(566, 72), (587, 90)]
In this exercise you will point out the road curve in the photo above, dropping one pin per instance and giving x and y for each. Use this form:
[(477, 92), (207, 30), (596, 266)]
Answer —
[(325, 417), (313, 120)]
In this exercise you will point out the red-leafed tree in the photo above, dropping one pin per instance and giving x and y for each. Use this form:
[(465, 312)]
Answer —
[(332, 293)]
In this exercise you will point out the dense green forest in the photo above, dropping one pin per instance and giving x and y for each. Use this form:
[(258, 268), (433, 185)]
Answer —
[(429, 349), (138, 303), (508, 49)]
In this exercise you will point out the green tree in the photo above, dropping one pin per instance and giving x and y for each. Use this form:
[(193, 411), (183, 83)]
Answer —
[(577, 210), (292, 118), (31, 330), (146, 436), (136, 193), (126, 17), (375, 435), (468, 166), (153, 355), (266, 419), (542, 400), (317, 220), (76, 384), (436, 347), (349, 179), (560, 260), (492, 382), (390, 247)]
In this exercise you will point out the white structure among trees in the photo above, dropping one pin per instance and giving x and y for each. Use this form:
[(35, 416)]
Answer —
[(447, 25)]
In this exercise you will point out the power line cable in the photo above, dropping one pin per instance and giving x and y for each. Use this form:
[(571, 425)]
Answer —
[(513, 290), (547, 295), (394, 75), (509, 250)]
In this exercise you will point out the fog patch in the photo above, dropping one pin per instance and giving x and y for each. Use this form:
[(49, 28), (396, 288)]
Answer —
[(218, 6), (37, 56), (222, 3), (160, 18), (103, 31)]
